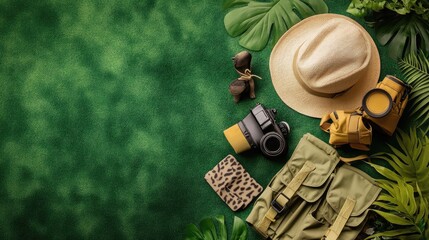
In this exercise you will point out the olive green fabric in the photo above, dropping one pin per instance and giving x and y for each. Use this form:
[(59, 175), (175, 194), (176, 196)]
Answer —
[(319, 201), (111, 113)]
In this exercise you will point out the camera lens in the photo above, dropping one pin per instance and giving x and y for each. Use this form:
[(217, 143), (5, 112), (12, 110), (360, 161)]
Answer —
[(272, 144)]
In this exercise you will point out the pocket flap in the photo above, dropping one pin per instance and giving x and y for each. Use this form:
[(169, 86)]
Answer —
[(323, 157), (353, 183)]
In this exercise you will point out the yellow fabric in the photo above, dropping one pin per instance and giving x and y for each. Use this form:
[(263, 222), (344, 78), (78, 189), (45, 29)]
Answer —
[(341, 220), (353, 129), (377, 102), (347, 127), (283, 198), (399, 94), (235, 137)]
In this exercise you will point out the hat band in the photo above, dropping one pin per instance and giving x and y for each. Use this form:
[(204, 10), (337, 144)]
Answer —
[(319, 94)]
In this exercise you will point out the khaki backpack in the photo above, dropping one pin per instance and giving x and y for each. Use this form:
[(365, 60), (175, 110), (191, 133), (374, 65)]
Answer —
[(314, 196)]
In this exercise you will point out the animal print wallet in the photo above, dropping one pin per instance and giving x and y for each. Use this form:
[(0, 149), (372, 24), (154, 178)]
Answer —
[(232, 183)]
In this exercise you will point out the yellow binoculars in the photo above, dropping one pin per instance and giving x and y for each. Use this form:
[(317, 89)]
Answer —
[(382, 107)]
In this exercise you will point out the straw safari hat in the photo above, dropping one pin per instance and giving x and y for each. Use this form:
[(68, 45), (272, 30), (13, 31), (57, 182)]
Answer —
[(324, 63)]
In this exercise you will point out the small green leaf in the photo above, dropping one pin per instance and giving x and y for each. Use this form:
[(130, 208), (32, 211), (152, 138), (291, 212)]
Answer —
[(386, 206), (392, 218), (385, 172)]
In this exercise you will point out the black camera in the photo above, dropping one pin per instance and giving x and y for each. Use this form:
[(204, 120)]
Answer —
[(259, 130)]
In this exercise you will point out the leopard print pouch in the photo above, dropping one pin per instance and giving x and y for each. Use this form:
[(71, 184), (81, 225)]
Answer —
[(232, 183)]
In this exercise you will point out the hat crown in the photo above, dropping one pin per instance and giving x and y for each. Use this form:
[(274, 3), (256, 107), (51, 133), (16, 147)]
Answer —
[(333, 59)]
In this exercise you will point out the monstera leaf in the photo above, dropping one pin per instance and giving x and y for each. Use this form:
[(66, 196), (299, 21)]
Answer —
[(209, 231), (256, 21), (403, 34), (415, 68), (410, 162)]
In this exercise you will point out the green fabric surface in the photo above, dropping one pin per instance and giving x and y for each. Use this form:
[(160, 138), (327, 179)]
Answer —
[(111, 113)]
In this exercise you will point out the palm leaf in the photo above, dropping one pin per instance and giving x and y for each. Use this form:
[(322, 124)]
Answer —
[(410, 161), (256, 21), (404, 201), (398, 206), (415, 68)]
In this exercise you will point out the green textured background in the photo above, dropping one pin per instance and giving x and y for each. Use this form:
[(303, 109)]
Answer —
[(112, 112)]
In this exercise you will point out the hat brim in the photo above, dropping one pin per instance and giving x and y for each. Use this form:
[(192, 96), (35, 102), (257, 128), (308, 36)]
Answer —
[(290, 90)]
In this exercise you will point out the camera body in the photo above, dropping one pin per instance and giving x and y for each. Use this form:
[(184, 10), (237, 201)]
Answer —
[(259, 130)]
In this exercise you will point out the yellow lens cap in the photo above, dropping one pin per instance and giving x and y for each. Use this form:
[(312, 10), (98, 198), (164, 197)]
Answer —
[(377, 103)]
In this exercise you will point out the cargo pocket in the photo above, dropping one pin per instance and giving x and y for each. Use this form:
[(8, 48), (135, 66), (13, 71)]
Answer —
[(323, 159), (286, 200), (313, 226), (289, 225), (349, 196)]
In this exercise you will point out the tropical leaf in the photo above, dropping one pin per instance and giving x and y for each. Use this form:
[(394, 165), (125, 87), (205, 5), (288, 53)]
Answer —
[(410, 161), (193, 233), (403, 34), (363, 7), (404, 201), (215, 229), (415, 68), (222, 227), (239, 229), (398, 206), (257, 21), (233, 3), (208, 229)]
